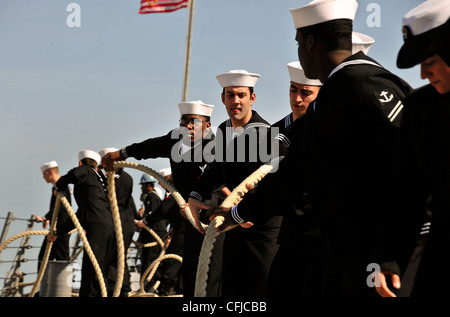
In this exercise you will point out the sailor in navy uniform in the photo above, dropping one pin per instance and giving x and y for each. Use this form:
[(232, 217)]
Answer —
[(421, 177), (60, 249), (298, 238), (151, 201), (94, 214), (170, 269), (185, 147), (128, 213), (291, 129), (348, 145), (247, 252)]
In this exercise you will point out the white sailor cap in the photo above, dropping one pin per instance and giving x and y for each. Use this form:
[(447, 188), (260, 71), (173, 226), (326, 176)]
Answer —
[(196, 107), (418, 27), (319, 11), (48, 165), (89, 154), (297, 75), (238, 78), (165, 171), (103, 152), (361, 42)]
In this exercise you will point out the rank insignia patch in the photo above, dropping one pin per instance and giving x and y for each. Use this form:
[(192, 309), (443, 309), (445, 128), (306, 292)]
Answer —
[(389, 102)]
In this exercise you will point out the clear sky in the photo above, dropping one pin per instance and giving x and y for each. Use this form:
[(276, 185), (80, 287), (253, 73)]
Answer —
[(117, 78)]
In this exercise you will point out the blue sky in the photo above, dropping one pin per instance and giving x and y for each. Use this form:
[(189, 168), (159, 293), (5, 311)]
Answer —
[(117, 79)]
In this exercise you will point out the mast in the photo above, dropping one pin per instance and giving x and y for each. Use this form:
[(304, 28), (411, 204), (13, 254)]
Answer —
[(187, 60)]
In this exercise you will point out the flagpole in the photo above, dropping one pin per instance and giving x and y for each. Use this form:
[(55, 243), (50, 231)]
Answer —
[(187, 59)]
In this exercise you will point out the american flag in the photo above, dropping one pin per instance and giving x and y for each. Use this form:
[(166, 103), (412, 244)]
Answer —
[(160, 6)]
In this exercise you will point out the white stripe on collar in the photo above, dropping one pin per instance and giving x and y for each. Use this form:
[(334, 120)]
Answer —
[(354, 62), (287, 120), (348, 63), (231, 132)]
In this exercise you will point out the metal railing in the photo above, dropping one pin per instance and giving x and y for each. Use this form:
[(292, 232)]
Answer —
[(22, 274)]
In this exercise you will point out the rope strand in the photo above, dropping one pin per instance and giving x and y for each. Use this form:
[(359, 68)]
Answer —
[(87, 246), (47, 249), (166, 183), (211, 234), (119, 236)]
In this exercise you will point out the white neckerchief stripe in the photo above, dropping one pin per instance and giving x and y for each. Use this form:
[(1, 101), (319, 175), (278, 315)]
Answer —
[(354, 62), (284, 139), (256, 124), (342, 65), (235, 215), (231, 133), (287, 120)]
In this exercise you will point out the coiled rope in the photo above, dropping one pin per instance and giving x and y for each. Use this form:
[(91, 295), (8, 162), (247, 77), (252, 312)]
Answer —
[(48, 248), (118, 230), (211, 234), (207, 245), (180, 201), (23, 234), (86, 244), (150, 267), (120, 245), (61, 199), (119, 238), (166, 183)]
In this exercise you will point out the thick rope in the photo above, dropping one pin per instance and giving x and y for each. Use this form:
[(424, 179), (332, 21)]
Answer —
[(208, 242), (118, 230), (119, 238), (211, 234), (87, 246), (150, 271), (23, 234), (47, 249), (178, 198), (153, 266), (149, 268), (204, 258), (43, 265), (167, 184), (145, 245), (237, 194)]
